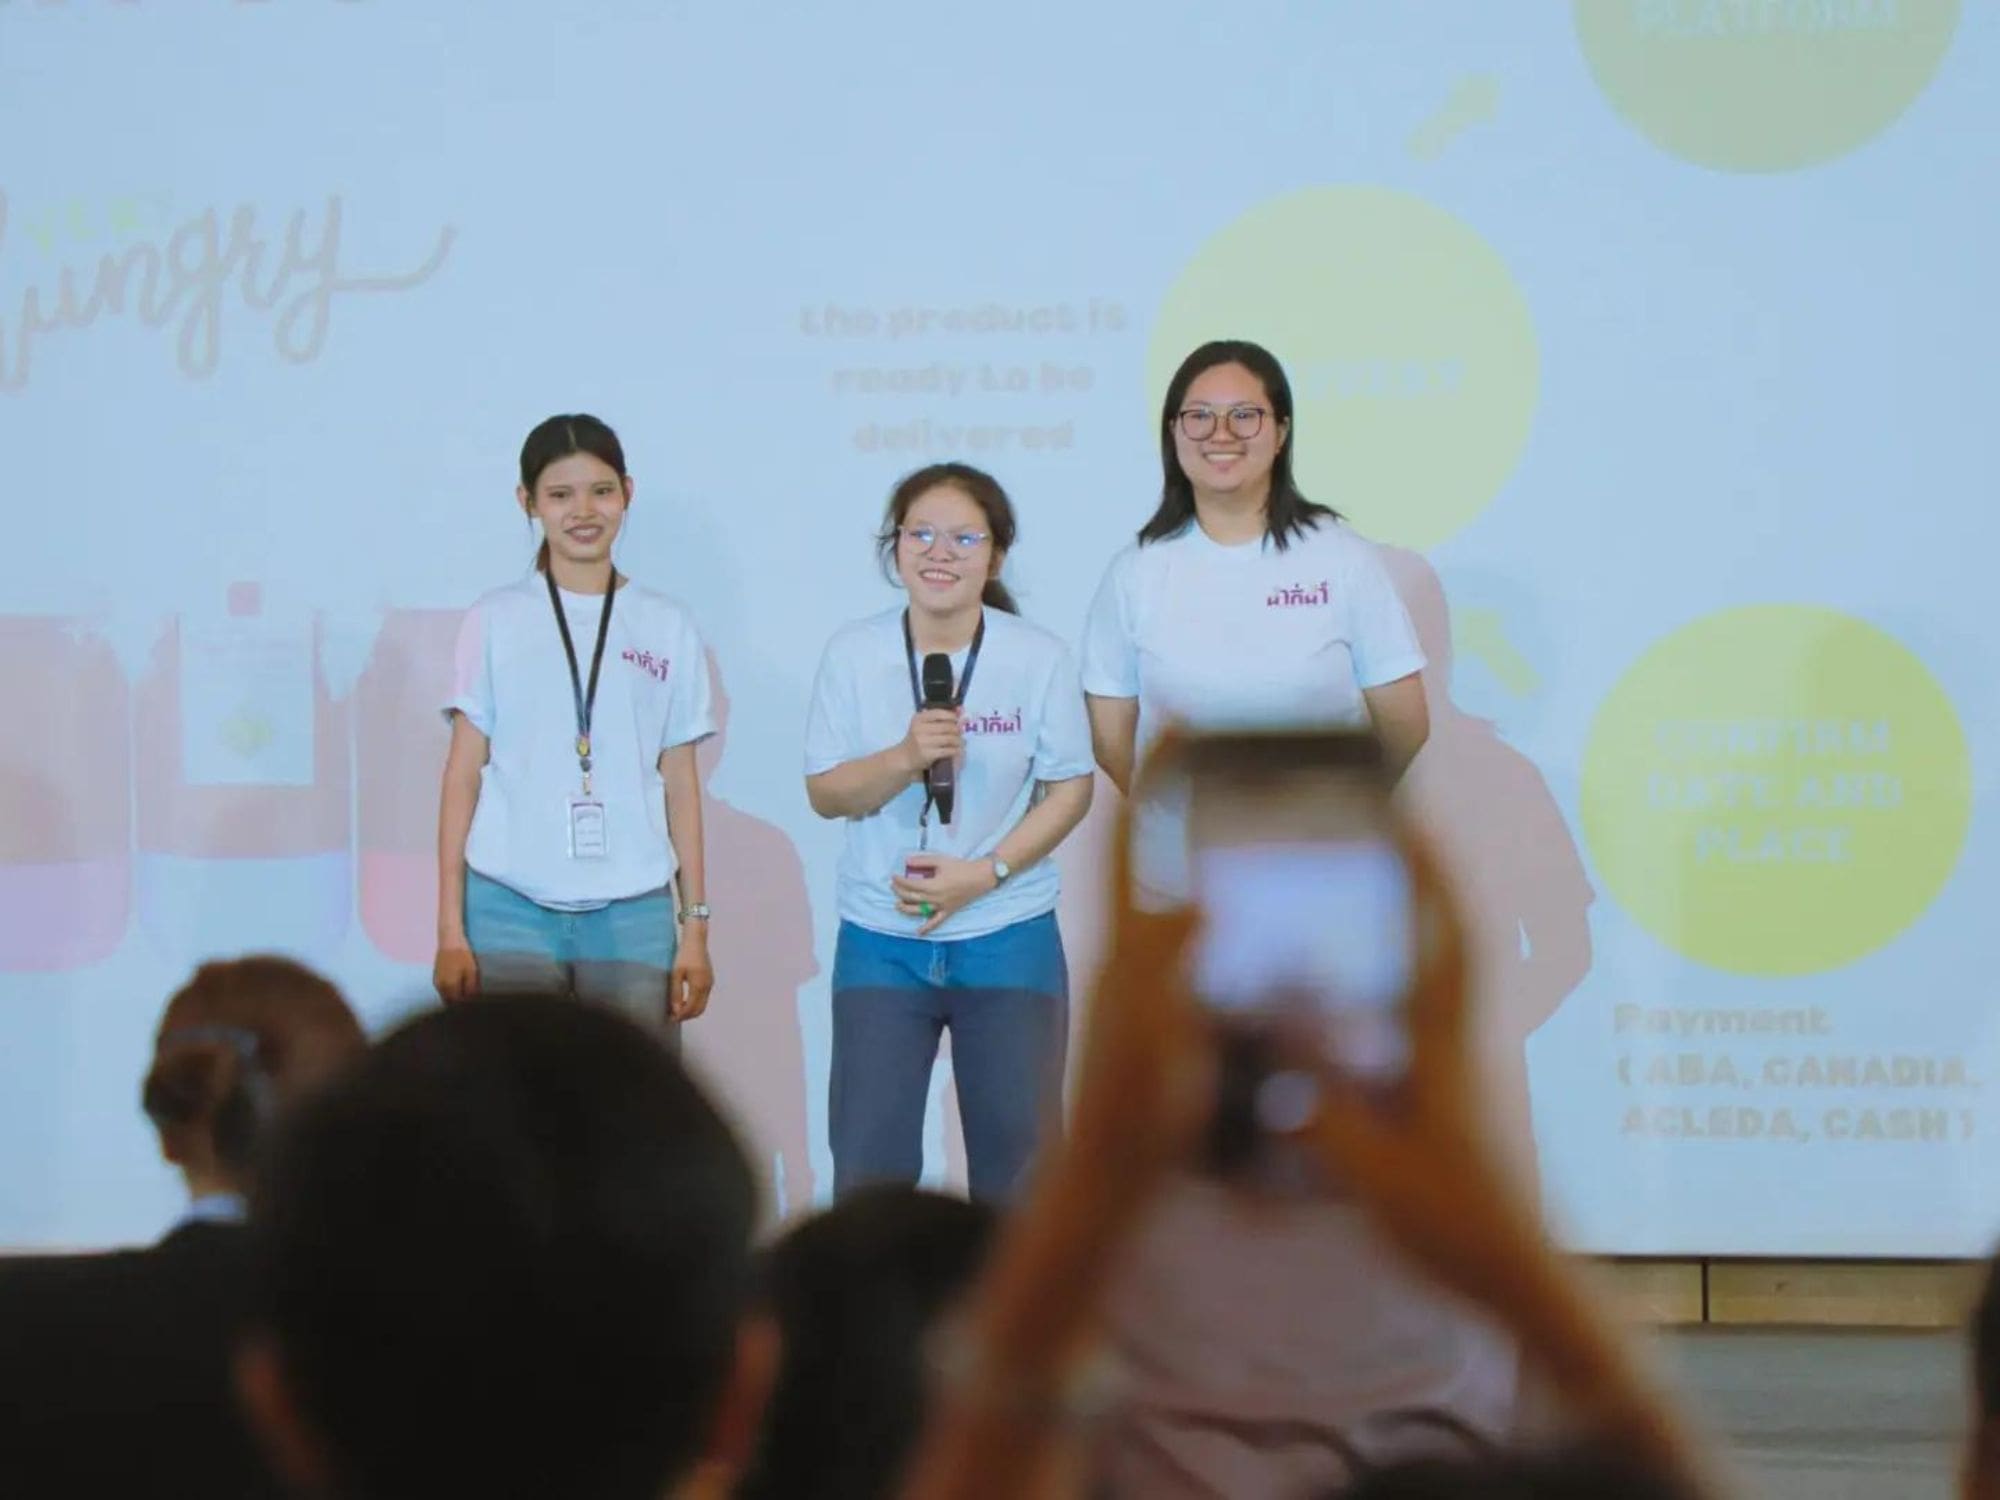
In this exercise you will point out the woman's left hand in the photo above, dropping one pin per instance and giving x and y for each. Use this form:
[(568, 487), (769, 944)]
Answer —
[(951, 886), (693, 976)]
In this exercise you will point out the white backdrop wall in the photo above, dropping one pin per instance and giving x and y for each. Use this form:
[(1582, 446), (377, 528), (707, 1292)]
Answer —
[(1652, 337)]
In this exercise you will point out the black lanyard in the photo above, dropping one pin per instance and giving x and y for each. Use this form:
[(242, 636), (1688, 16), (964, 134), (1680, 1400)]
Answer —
[(957, 698), (971, 663), (586, 699)]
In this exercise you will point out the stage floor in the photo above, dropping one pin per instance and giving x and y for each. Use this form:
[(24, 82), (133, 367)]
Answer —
[(1828, 1414)]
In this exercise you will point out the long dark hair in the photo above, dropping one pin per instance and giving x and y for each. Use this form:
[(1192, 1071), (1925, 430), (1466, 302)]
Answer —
[(978, 486), (1287, 513), (564, 437)]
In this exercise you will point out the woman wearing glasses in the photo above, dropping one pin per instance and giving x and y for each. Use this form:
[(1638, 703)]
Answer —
[(947, 912), (1242, 601)]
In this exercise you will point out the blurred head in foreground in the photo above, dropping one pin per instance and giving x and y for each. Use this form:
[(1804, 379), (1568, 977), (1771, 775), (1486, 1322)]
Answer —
[(505, 1254), (856, 1292)]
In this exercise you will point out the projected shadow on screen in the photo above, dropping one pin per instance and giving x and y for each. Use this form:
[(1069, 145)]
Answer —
[(749, 1046), (1082, 860), (401, 736), (1527, 898)]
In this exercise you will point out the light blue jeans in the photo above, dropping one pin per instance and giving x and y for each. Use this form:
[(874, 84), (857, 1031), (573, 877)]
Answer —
[(1005, 999), (620, 956)]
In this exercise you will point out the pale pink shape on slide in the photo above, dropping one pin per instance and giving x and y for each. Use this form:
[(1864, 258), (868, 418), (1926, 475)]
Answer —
[(184, 825), (400, 742), (63, 916), (65, 782), (749, 1046), (399, 904)]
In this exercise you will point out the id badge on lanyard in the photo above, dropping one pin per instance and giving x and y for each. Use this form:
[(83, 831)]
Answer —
[(589, 831), (588, 837)]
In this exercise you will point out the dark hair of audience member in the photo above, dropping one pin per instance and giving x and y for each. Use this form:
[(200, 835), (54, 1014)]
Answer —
[(239, 1038), (1581, 1472), (506, 1255), (856, 1292)]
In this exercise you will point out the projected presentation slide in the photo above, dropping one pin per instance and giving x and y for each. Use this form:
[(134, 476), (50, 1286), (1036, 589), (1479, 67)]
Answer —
[(1649, 341)]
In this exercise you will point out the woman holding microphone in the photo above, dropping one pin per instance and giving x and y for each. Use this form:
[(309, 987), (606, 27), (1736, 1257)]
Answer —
[(947, 911)]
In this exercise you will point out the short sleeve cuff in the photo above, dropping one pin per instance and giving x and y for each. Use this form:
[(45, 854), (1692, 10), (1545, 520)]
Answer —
[(1105, 685), (1395, 669), (475, 714)]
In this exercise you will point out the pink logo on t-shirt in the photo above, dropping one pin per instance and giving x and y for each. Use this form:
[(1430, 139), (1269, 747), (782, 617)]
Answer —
[(994, 723), (1298, 596), (653, 666)]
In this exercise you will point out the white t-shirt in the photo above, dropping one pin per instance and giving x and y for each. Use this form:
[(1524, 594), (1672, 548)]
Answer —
[(512, 682), (1024, 723), (1242, 636), (1248, 635)]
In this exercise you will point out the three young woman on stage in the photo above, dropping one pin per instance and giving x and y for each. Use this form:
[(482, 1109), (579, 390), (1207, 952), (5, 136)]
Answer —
[(571, 804)]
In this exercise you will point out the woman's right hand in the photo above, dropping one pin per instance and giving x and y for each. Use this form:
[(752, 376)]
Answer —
[(935, 735), (455, 974)]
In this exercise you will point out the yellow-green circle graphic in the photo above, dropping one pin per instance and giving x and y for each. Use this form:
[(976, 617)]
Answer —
[(1409, 348), (1763, 85), (1777, 789)]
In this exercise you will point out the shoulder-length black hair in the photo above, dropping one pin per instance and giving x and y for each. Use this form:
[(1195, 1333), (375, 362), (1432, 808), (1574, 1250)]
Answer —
[(1288, 513)]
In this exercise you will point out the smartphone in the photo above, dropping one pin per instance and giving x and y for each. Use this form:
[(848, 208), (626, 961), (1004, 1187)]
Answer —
[(1286, 843)]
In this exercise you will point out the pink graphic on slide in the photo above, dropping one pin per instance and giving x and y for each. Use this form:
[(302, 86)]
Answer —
[(242, 779), (399, 749), (65, 780)]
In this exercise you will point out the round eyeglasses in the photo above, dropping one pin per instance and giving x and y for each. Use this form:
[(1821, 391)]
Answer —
[(923, 538), (1198, 423)]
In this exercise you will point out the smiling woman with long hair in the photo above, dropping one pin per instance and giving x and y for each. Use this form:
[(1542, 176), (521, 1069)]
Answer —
[(1245, 605), (1243, 602), (572, 798), (947, 915)]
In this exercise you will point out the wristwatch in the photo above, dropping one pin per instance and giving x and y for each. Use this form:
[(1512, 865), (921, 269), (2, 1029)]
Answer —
[(696, 913), (1001, 870)]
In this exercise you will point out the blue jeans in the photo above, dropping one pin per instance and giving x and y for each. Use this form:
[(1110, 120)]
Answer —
[(620, 956), (1005, 999)]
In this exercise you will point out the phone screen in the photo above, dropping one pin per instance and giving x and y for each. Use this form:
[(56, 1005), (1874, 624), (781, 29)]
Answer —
[(1320, 928), (1285, 842)]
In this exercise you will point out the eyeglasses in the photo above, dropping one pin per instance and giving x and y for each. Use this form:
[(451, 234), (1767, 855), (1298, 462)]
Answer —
[(1198, 422), (923, 538)]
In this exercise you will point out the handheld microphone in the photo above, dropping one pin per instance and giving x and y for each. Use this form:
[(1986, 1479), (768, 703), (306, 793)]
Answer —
[(941, 777)]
